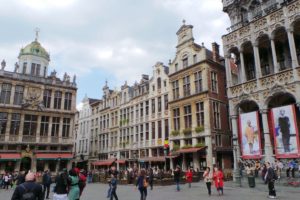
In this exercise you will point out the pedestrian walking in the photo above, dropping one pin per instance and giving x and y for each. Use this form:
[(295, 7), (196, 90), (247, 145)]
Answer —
[(177, 173), (189, 177), (82, 181), (208, 176), (29, 190), (218, 179), (61, 186), (46, 183), (73, 185), (142, 184), (270, 179), (151, 177), (113, 188), (6, 181)]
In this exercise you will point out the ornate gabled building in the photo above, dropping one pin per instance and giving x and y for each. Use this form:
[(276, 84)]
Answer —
[(263, 45), (36, 114), (200, 134)]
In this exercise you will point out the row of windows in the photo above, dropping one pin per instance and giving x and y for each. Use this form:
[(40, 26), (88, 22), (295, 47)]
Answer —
[(197, 82), (6, 91), (199, 116), (30, 125)]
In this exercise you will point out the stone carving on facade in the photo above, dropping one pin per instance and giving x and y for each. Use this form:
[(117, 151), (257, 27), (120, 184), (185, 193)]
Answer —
[(236, 90), (250, 87), (268, 82), (260, 24), (3, 64), (294, 8), (33, 99), (66, 78), (53, 74), (285, 77), (277, 16), (245, 31), (16, 67)]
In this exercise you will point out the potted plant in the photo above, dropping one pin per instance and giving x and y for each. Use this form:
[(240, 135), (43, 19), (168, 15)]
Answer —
[(176, 147), (175, 133), (199, 145), (199, 129), (187, 146), (187, 131)]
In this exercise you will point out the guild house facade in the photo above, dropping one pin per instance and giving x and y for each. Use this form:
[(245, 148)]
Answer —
[(262, 53), (36, 114)]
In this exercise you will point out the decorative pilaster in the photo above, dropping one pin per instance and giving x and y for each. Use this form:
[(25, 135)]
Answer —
[(290, 33), (243, 74), (274, 56), (268, 147)]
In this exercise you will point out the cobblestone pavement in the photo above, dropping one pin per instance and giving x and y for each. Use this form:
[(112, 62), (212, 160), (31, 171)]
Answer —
[(197, 192)]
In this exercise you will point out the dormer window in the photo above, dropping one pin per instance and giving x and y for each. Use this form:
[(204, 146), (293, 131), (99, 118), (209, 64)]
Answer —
[(185, 62)]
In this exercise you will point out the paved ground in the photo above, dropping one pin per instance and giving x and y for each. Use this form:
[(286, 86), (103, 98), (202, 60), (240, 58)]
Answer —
[(197, 192)]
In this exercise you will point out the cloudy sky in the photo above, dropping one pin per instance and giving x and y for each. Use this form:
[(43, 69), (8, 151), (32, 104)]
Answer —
[(113, 40)]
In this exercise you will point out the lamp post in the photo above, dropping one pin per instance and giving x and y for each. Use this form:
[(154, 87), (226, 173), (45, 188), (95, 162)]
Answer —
[(236, 172)]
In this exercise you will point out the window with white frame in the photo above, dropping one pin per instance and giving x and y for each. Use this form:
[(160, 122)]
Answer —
[(214, 81), (216, 111)]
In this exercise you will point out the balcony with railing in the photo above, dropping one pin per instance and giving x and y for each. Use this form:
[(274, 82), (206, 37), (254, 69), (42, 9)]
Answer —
[(44, 139), (54, 139), (28, 138)]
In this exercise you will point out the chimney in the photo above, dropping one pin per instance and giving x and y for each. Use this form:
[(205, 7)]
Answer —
[(216, 52)]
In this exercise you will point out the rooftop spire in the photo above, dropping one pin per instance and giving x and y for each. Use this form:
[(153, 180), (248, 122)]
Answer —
[(37, 30)]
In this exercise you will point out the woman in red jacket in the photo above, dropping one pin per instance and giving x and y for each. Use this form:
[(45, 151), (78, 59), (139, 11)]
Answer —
[(218, 179), (189, 176)]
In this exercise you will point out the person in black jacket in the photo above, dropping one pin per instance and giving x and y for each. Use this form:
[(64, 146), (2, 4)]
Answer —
[(270, 178), (61, 187), (47, 182), (29, 189), (177, 173)]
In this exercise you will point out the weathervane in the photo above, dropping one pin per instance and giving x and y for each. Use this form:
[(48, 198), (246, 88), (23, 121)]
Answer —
[(37, 30)]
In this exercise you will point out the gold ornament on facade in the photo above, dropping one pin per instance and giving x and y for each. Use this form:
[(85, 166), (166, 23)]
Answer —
[(33, 99), (27, 153)]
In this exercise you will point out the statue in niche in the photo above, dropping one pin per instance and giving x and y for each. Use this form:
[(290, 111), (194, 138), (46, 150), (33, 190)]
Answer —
[(16, 67), (3, 64)]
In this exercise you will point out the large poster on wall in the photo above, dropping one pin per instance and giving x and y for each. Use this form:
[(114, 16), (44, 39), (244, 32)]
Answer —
[(286, 137), (249, 132)]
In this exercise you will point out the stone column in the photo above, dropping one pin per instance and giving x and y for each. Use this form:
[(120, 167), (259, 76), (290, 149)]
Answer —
[(12, 95), (196, 162), (274, 55), (268, 147), (228, 71), (60, 129), (38, 128), (17, 165), (21, 127), (234, 125), (8, 126), (209, 151), (290, 33), (243, 74), (257, 60)]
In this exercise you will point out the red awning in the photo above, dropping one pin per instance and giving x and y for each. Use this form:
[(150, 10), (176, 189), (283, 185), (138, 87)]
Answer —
[(190, 150), (121, 161), (153, 159), (103, 162), (54, 156), (10, 156)]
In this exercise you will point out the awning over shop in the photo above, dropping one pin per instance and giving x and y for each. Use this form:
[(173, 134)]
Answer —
[(10, 156), (54, 156), (104, 162), (190, 150), (152, 159), (121, 161)]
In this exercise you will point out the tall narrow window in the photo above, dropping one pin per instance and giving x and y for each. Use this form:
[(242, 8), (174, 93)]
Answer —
[(176, 67), (188, 116), (166, 101), (186, 86), (166, 129), (44, 126), (15, 123), (159, 104), (141, 109), (185, 62), (18, 98), (66, 127), (216, 110), (195, 58), (47, 98), (33, 68), (175, 85), (147, 131), (38, 70), (153, 105), (68, 101), (153, 130), (158, 83), (214, 81), (147, 108), (3, 122), (30, 124), (24, 68), (200, 113), (57, 100), (176, 118), (5, 93), (159, 129), (198, 81), (55, 126)]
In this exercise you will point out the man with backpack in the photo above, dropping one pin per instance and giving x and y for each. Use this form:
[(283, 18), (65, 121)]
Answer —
[(29, 190)]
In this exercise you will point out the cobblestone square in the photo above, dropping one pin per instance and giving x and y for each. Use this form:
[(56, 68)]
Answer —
[(197, 192)]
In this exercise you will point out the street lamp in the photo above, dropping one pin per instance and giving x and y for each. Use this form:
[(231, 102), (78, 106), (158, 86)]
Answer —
[(236, 172)]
